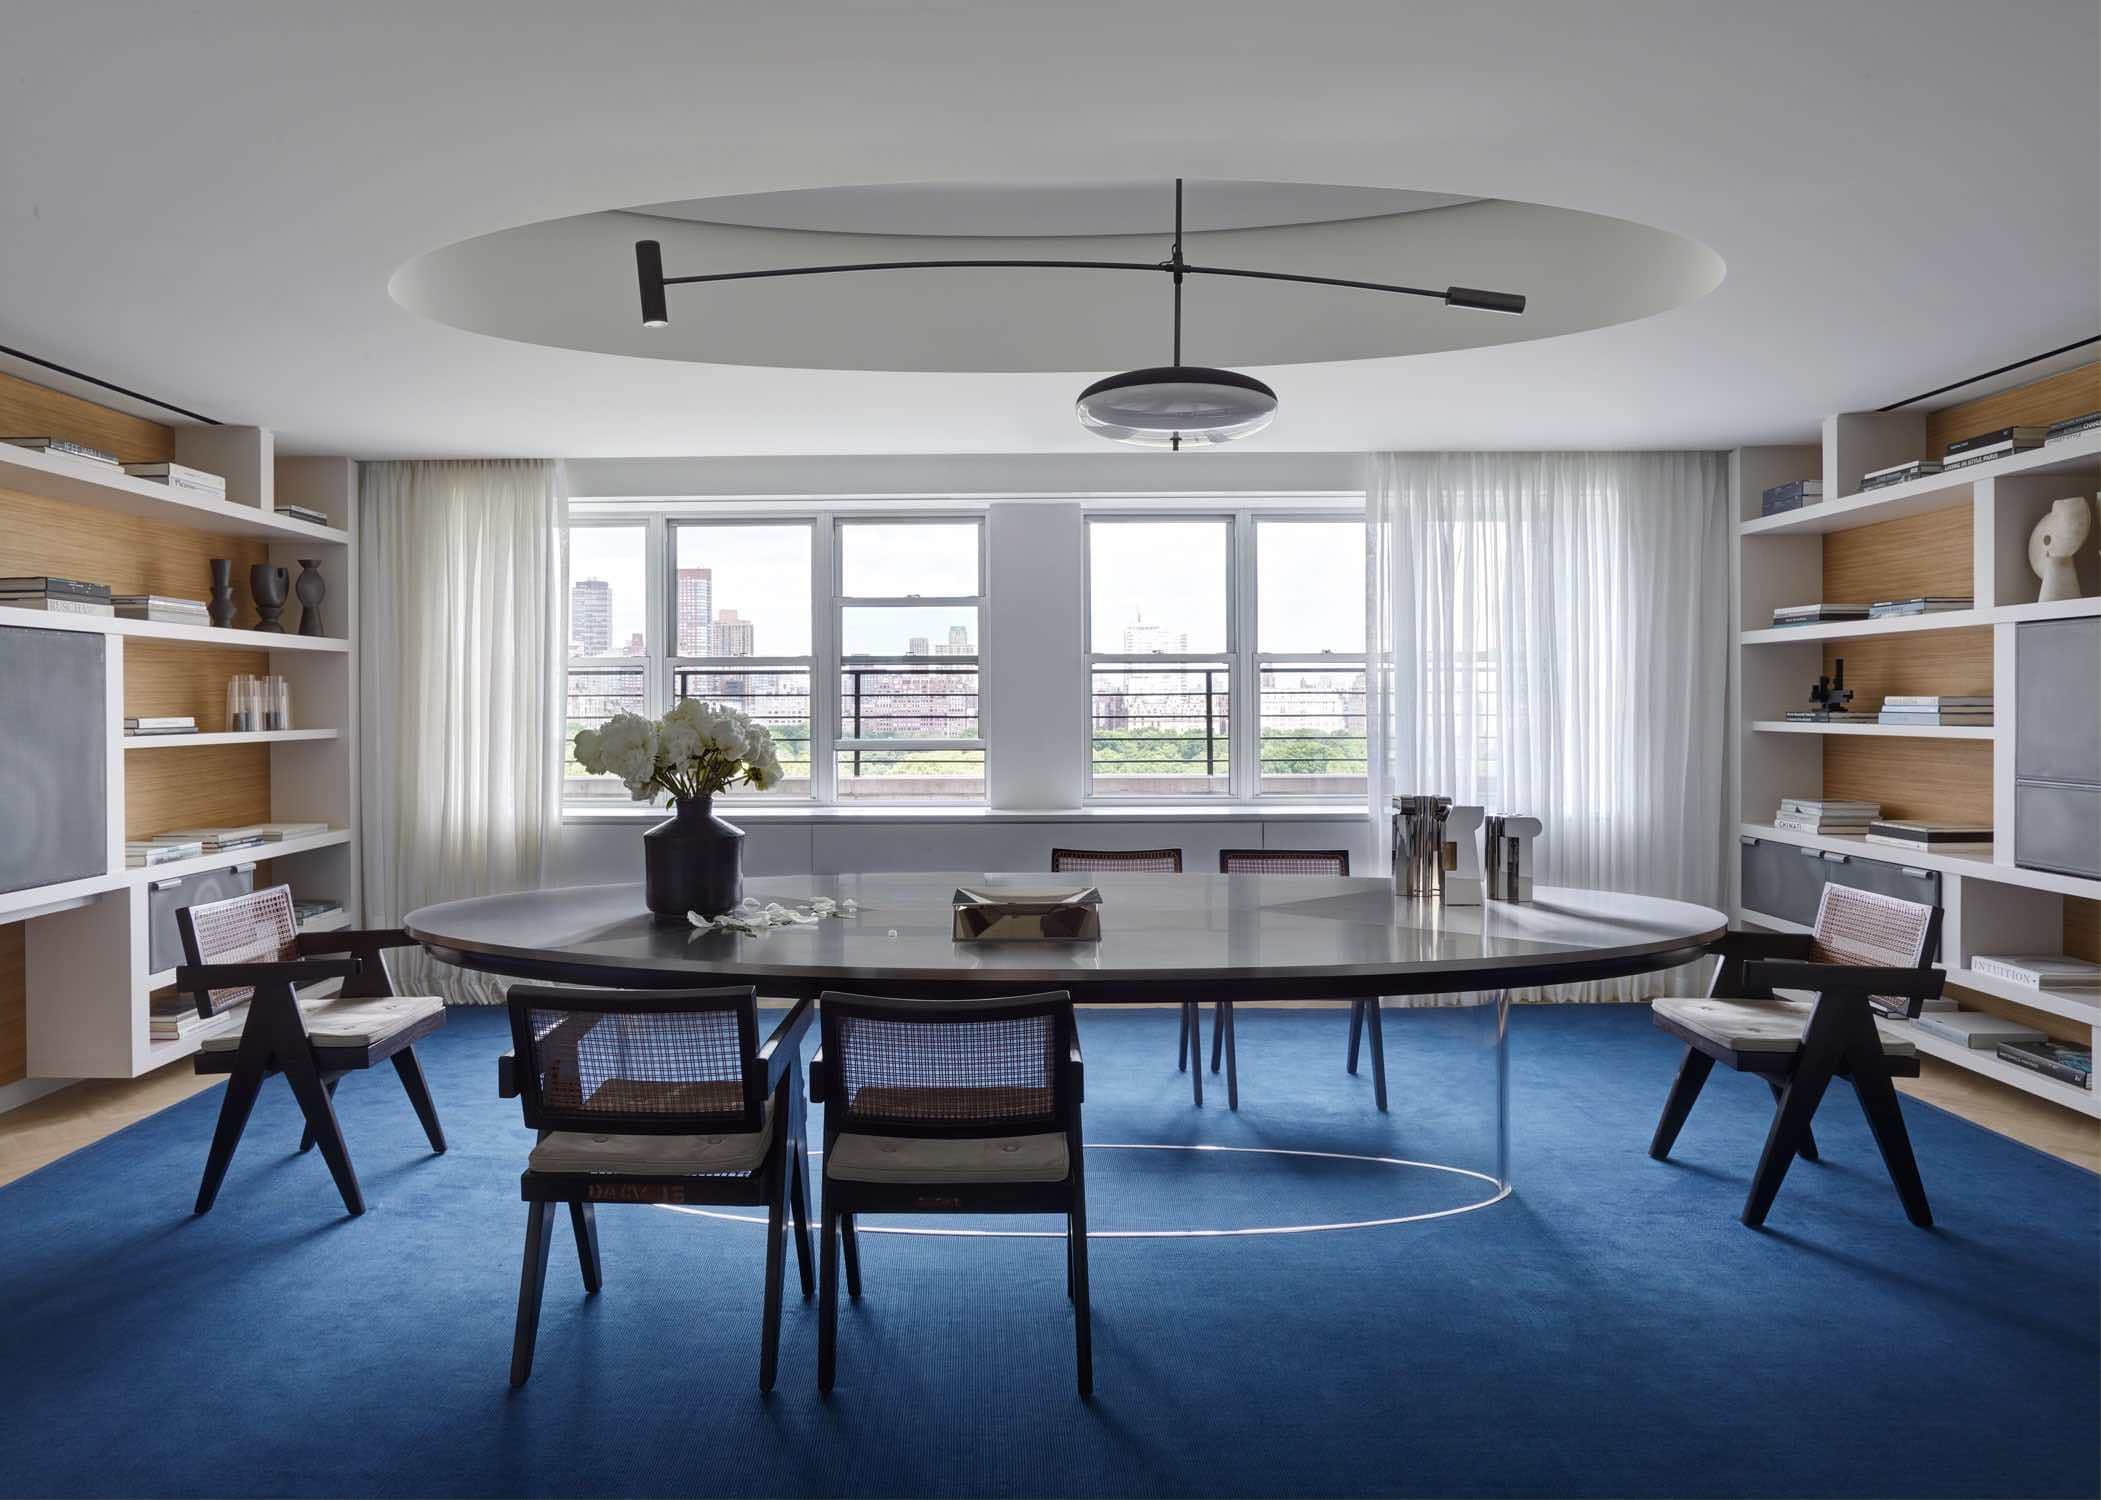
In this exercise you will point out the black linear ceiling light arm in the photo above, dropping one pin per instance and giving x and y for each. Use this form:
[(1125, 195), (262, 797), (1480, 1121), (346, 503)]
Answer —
[(649, 267)]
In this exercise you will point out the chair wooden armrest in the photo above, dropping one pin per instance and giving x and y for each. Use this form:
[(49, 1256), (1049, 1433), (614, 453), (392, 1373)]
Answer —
[(1847, 979), (1079, 1070), (255, 976), (780, 1051), (347, 940)]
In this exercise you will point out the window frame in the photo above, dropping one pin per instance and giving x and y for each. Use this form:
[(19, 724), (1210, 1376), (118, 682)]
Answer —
[(1243, 657)]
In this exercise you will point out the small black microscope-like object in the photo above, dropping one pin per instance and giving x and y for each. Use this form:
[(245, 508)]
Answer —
[(1831, 695)]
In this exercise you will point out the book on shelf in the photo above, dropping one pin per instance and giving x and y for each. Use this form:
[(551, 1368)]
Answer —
[(1812, 614), (1913, 834), (1786, 497), (1920, 604), (1829, 716), (168, 611), (1974, 1028), (307, 909), (1830, 805), (145, 853), (56, 588), (2039, 971), (1985, 456), (1937, 700), (174, 1017), (66, 449), (303, 513), (161, 724), (1998, 438), (1898, 1007), (295, 830), (180, 476), (2060, 1060), (2071, 427), (1916, 468), (58, 604), (221, 840), (1927, 718)]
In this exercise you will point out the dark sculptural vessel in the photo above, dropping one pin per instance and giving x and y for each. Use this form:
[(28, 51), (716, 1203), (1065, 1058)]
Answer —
[(693, 862), (221, 608), (267, 586), (311, 588)]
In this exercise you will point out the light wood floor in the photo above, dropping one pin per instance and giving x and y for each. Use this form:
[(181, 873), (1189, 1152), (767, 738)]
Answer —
[(42, 1131)]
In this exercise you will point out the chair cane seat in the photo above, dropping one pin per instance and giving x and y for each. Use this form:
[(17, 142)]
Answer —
[(333, 1021), (1762, 1025), (895, 1158), (655, 1155)]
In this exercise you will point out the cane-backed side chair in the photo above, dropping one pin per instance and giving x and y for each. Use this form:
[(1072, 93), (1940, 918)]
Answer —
[(1864, 944), (657, 1096), (1364, 1014), (949, 1107), (247, 958), (1190, 1040)]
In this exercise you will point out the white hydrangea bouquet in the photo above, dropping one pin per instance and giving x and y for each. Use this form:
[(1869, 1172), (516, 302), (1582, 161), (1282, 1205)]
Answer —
[(695, 751)]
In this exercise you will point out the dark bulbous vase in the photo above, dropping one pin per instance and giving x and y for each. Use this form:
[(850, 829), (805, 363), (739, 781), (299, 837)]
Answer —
[(693, 861)]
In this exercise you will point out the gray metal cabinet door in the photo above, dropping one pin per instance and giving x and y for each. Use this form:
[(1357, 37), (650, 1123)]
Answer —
[(2058, 827), (2057, 718)]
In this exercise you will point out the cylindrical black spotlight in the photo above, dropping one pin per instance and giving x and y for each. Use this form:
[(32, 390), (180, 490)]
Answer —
[(649, 266), (1480, 301)]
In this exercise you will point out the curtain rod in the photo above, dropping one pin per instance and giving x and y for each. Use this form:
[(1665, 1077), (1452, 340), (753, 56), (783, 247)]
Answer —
[(1988, 374), (23, 354)]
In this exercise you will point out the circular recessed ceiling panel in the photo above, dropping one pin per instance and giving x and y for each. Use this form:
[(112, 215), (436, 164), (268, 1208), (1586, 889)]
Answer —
[(570, 283)]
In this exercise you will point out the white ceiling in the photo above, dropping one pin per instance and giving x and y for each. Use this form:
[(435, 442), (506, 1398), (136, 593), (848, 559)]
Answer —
[(207, 202)]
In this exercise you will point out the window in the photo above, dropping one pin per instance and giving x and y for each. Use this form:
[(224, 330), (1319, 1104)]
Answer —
[(740, 626), (1191, 617), (608, 616), (1160, 631), (1309, 639), (909, 620)]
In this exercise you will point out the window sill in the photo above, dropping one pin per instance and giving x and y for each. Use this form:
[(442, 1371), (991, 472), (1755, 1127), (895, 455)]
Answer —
[(1326, 812)]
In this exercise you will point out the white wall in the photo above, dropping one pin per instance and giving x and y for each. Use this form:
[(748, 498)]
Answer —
[(1034, 704)]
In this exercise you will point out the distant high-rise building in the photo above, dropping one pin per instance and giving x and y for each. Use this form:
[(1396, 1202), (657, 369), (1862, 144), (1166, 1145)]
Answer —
[(696, 611), (917, 646), (733, 637), (590, 617), (636, 646), (959, 640), (1140, 637)]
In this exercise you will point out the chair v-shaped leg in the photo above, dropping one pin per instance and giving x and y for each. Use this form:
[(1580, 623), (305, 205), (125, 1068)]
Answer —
[(410, 1069), (583, 1219), (1356, 1033), (1878, 1101), (1685, 1088), (532, 1283), (305, 1079), (306, 1132), (1375, 1026), (1182, 1042), (776, 1270), (1824, 1046), (1806, 1146), (799, 1204), (234, 1108)]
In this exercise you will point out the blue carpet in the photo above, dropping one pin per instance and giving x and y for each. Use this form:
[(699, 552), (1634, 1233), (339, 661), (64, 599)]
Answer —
[(1610, 1329)]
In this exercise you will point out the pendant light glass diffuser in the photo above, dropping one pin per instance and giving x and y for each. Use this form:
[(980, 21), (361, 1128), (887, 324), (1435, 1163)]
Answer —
[(1175, 406)]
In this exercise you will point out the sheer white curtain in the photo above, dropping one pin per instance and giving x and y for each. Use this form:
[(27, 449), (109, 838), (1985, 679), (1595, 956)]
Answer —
[(459, 689), (1549, 635)]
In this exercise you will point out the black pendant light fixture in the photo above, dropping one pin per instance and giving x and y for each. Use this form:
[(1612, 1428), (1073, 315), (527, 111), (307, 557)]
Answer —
[(1168, 406)]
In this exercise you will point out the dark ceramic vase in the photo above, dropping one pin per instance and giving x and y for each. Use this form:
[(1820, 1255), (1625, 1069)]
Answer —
[(267, 586), (693, 861), (221, 608), (311, 589)]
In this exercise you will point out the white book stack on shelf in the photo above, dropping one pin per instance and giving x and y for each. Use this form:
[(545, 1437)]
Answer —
[(1933, 709), (1975, 1028), (2040, 971), (1826, 815)]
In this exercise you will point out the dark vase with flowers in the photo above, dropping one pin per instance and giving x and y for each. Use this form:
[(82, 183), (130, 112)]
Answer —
[(693, 861)]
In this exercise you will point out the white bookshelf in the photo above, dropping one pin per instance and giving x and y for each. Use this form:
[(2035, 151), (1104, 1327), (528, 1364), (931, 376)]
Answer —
[(1990, 904), (85, 941)]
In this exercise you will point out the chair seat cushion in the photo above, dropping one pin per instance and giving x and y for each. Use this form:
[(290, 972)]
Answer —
[(897, 1158), (655, 1155), (333, 1021), (1761, 1025)]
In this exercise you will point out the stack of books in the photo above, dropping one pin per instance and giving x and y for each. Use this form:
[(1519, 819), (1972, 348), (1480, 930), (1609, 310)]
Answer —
[(58, 595), (180, 477), (2060, 1060), (173, 1016), (1910, 833), (222, 840), (1919, 604), (2040, 971), (64, 449), (291, 830), (165, 608), (2071, 427), (1784, 497), (1917, 468), (1986, 446), (160, 724), (307, 911), (1818, 614), (161, 849), (1862, 715), (1975, 1028), (303, 513), (1833, 815), (1932, 709)]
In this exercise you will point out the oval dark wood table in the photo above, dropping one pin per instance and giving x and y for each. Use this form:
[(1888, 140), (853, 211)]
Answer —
[(1165, 938)]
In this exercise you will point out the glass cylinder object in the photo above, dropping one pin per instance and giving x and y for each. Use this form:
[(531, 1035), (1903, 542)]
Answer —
[(276, 703), (241, 703)]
